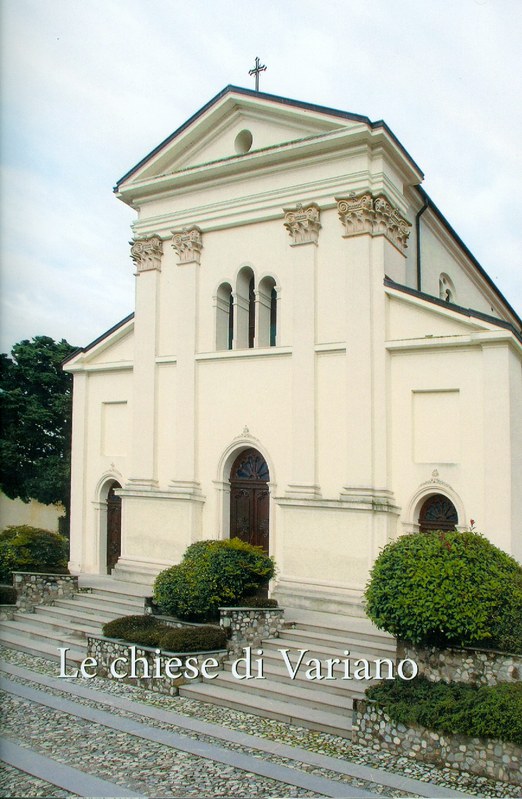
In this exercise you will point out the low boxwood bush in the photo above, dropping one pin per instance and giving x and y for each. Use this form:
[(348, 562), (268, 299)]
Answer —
[(145, 630), (150, 631), (447, 589), (212, 574), (193, 639), (7, 595), (25, 548), (489, 711)]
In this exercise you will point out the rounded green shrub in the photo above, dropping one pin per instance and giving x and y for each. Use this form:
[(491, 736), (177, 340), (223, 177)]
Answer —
[(212, 574), (25, 548), (444, 589), (193, 639)]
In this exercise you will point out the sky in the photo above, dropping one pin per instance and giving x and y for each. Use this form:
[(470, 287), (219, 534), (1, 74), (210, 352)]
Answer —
[(91, 86)]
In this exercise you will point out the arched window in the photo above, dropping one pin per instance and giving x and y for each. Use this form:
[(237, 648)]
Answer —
[(224, 303), (266, 302), (437, 513), (446, 288), (244, 309)]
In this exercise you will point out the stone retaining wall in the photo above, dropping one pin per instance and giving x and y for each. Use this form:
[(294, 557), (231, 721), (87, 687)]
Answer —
[(105, 651), (478, 666), (248, 626), (7, 612), (42, 589), (373, 728)]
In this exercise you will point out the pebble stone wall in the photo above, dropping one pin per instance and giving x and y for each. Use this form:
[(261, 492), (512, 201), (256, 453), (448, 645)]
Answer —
[(7, 612), (372, 727), (248, 626), (105, 650), (42, 589), (478, 666)]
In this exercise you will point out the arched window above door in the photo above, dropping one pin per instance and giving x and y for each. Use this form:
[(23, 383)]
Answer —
[(437, 513)]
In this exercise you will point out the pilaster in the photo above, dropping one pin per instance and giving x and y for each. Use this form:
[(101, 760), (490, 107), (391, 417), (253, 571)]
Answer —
[(303, 226), (146, 255), (188, 245)]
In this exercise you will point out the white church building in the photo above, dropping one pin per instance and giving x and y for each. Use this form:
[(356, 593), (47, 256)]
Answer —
[(316, 362)]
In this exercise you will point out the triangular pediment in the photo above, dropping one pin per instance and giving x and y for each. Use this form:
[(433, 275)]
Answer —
[(237, 123)]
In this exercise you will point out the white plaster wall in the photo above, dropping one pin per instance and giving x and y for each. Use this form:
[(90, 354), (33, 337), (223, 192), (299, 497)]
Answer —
[(437, 259), (33, 513), (468, 442)]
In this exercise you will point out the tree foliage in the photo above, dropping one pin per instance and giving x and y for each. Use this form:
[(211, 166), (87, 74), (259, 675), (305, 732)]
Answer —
[(35, 421)]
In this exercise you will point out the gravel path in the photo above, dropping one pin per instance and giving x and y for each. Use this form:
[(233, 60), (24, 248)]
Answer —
[(157, 770)]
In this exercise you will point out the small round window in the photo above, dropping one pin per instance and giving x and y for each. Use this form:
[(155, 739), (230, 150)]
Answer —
[(243, 142)]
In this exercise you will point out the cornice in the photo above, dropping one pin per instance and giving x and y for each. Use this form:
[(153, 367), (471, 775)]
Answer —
[(322, 145), (482, 339)]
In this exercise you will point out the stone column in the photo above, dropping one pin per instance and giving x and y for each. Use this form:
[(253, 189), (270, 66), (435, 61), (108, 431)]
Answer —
[(303, 226)]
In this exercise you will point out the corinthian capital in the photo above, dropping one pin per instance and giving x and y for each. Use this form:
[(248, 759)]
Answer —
[(365, 213), (146, 253), (303, 223), (188, 244)]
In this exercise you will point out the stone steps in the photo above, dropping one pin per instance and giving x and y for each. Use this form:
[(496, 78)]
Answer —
[(304, 715), (319, 704), (67, 622)]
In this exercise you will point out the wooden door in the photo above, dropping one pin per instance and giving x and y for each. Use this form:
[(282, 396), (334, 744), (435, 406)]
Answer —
[(113, 527), (437, 513), (250, 499)]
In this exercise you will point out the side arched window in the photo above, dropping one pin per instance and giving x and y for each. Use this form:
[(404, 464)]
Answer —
[(446, 289), (224, 317)]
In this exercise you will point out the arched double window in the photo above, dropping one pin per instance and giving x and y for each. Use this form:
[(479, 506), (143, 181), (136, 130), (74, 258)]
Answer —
[(248, 317)]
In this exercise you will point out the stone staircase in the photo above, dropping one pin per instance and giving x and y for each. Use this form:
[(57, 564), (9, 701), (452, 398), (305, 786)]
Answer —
[(67, 622), (325, 704)]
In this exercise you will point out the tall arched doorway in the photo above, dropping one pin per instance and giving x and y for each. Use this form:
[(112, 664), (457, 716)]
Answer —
[(113, 526), (437, 513), (250, 499)]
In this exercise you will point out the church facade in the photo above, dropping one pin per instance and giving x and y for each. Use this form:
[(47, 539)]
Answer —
[(316, 363)]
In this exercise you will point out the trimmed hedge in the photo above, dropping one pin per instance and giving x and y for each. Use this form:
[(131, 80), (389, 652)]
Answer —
[(26, 548), (135, 629), (193, 639), (257, 602), (150, 631), (8, 595), (212, 574), (447, 589), (489, 711)]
